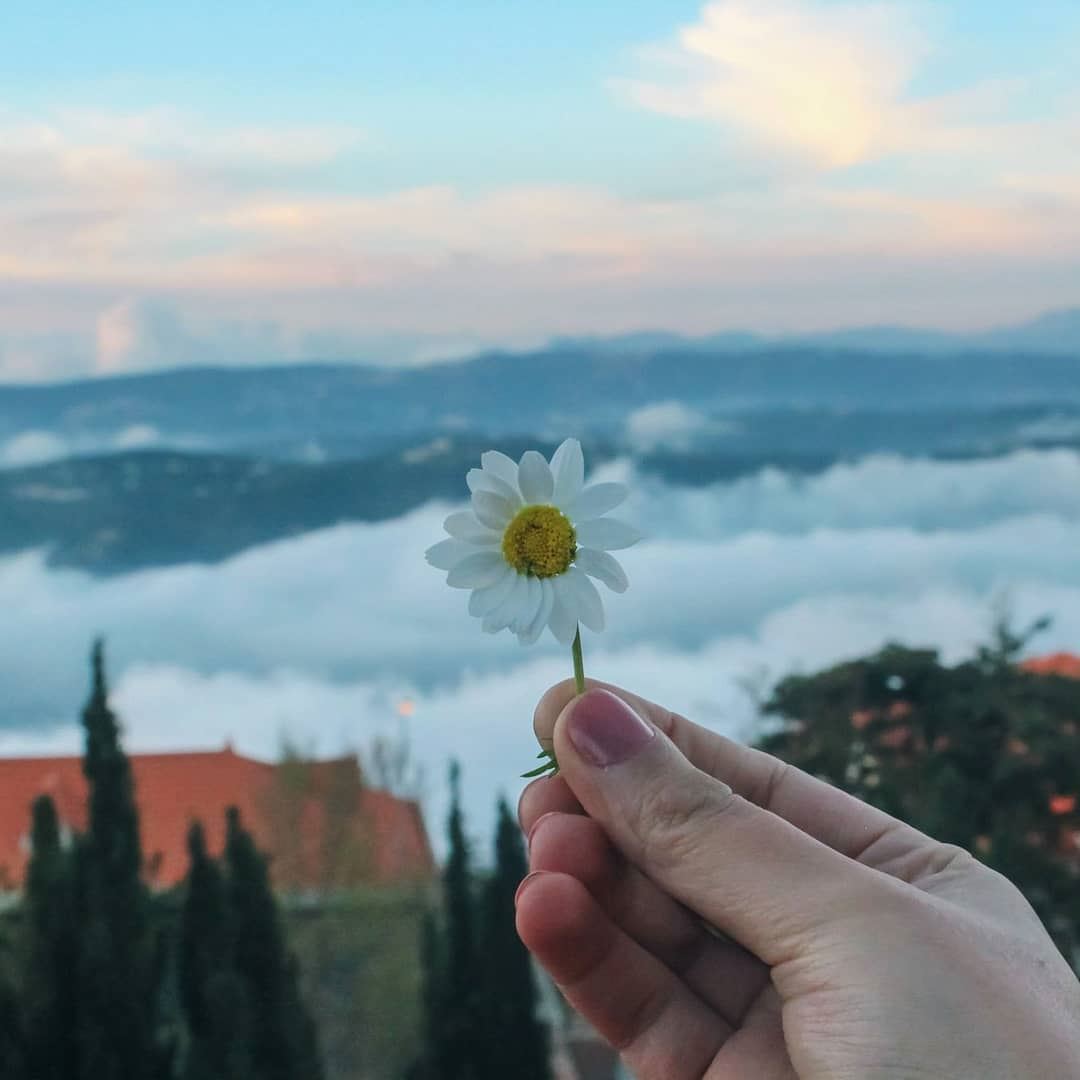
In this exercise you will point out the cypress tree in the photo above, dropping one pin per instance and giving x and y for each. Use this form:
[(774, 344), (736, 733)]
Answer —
[(116, 967), (517, 1041), (460, 1035), (51, 951), (432, 965), (283, 1039), (14, 1064), (212, 995)]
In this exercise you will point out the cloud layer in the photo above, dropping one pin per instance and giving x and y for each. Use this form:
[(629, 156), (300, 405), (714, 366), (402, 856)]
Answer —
[(319, 636), (819, 81)]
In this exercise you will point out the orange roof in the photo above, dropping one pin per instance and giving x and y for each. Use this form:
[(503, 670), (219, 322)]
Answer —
[(173, 790), (1062, 663)]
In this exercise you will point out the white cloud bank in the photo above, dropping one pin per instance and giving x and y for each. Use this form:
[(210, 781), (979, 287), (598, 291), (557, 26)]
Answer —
[(318, 636), (820, 80), (38, 447)]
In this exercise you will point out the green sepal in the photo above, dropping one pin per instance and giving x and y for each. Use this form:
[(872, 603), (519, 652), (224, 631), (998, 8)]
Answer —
[(549, 767)]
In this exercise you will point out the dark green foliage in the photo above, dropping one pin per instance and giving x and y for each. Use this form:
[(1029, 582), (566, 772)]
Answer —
[(459, 1032), (14, 1062), (109, 983), (212, 995), (283, 1040), (116, 965), (49, 995), (432, 962), (480, 999), (517, 1042), (983, 754)]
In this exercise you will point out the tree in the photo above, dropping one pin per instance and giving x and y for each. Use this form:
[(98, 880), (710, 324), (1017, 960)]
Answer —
[(50, 952), (283, 1040), (480, 999), (216, 1006), (14, 1064), (432, 964), (982, 754), (116, 970), (453, 1023), (460, 1038), (517, 1041)]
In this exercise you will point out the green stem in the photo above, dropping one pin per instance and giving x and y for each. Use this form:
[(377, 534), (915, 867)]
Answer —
[(579, 664), (548, 765)]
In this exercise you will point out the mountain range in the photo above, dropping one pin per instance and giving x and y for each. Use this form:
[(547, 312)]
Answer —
[(197, 464), (574, 385)]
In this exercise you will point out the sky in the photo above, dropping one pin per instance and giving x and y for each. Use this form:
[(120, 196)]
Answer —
[(401, 181)]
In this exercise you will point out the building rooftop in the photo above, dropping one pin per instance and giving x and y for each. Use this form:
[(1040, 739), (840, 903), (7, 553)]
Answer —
[(318, 820)]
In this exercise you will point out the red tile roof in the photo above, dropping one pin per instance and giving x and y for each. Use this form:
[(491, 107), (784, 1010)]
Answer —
[(1062, 663), (299, 818)]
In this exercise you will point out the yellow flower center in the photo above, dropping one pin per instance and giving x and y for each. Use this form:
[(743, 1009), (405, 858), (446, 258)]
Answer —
[(540, 542)]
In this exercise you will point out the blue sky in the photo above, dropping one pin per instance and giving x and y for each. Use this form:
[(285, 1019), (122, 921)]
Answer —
[(395, 181)]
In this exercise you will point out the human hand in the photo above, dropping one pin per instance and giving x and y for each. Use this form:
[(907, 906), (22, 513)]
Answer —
[(850, 945)]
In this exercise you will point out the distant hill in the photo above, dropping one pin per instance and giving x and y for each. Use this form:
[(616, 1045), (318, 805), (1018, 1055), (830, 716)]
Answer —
[(348, 411), (120, 512), (1053, 334), (198, 464)]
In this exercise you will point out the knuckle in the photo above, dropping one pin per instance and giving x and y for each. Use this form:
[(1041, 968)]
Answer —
[(954, 859), (776, 777), (675, 823)]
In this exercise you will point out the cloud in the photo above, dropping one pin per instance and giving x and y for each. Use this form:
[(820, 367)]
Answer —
[(32, 448), (320, 635), (39, 447), (823, 81), (140, 335), (137, 437), (358, 600), (664, 423), (819, 89), (132, 241), (876, 492), (484, 720)]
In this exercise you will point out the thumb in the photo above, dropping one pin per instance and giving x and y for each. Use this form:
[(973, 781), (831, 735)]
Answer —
[(748, 872)]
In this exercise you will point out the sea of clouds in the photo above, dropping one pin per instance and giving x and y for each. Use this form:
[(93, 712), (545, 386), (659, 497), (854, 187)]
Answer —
[(318, 639)]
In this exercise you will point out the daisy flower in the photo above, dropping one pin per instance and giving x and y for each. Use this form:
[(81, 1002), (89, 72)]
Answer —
[(531, 544)]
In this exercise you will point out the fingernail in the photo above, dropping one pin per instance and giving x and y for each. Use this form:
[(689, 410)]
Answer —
[(605, 730), (536, 825), (525, 882)]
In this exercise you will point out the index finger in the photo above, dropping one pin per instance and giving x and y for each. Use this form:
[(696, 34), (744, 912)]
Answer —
[(832, 816)]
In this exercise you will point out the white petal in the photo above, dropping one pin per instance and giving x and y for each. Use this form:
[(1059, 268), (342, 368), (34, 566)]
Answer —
[(603, 567), (563, 621), (598, 499), (480, 480), (568, 469), (547, 600), (484, 601), (465, 526), (493, 510), (505, 468), (530, 608), (589, 605), (477, 570), (507, 612), (606, 534), (534, 478), (446, 554)]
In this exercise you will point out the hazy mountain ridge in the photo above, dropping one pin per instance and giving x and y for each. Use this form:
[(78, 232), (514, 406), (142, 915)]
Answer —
[(197, 464), (575, 386), (122, 512)]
